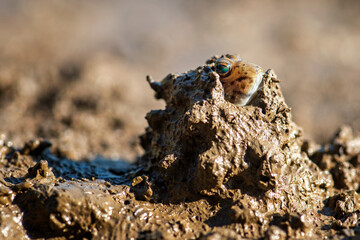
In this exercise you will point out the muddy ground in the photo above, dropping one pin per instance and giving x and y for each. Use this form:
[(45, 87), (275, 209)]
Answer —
[(74, 98)]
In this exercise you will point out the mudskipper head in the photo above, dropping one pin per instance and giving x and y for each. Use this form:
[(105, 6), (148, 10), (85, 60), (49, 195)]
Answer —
[(240, 79)]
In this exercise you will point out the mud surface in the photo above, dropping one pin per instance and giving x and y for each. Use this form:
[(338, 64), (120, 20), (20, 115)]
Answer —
[(74, 102), (211, 170)]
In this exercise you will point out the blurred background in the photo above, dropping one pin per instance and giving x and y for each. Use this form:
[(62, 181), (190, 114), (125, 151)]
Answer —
[(74, 71)]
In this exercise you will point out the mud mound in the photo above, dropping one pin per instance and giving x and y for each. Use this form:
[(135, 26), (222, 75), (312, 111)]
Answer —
[(204, 144)]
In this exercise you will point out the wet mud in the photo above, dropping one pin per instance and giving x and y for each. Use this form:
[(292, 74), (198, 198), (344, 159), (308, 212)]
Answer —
[(210, 170)]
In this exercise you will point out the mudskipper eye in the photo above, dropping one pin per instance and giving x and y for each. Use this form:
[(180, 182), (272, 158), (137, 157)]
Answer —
[(222, 68)]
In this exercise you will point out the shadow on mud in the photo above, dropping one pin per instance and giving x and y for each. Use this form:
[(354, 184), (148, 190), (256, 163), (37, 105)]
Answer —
[(100, 168)]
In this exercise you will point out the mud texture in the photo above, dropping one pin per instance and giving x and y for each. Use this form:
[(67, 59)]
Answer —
[(211, 170)]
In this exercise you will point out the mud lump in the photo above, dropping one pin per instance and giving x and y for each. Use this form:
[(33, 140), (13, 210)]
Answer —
[(202, 144)]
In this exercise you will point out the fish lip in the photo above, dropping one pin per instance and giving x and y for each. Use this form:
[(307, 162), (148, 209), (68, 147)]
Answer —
[(259, 88)]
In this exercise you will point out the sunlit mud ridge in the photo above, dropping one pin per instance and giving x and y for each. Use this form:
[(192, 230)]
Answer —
[(211, 170)]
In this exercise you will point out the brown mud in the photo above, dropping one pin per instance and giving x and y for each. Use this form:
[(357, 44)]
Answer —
[(210, 170)]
